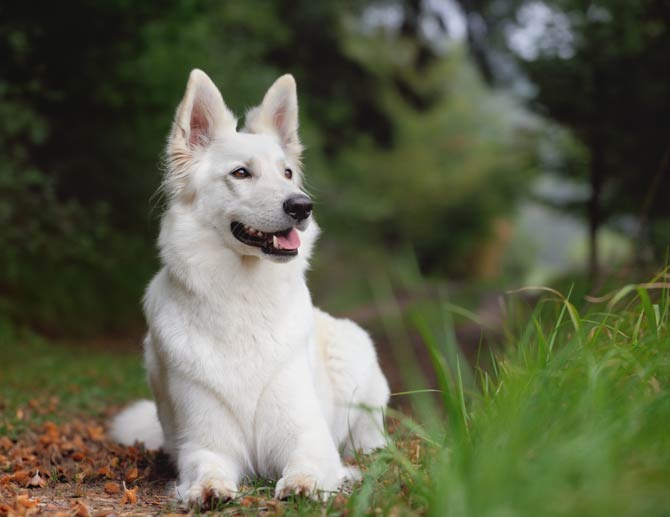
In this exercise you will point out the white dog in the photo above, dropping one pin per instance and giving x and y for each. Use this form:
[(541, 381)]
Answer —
[(250, 379)]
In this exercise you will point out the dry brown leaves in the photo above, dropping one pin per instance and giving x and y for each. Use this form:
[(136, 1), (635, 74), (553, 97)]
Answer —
[(73, 470), (19, 505), (47, 468)]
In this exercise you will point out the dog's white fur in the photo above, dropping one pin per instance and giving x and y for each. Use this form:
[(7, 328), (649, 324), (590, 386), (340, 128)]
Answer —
[(249, 378)]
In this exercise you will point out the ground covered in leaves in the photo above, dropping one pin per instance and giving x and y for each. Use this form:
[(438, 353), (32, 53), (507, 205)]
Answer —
[(55, 458), (73, 469)]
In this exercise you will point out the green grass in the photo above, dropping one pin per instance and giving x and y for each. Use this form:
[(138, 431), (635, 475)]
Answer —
[(570, 415), (42, 381)]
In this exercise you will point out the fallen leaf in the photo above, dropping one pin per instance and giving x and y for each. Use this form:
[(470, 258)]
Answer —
[(51, 430), (129, 495), (112, 488), (105, 472), (79, 509), (96, 433), (26, 501), (20, 476), (36, 481), (132, 475), (248, 501), (276, 506)]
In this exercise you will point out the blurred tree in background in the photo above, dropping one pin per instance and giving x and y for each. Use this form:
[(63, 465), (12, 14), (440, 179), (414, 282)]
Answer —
[(407, 148), (601, 68)]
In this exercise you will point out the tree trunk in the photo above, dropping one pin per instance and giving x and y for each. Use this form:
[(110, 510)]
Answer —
[(594, 209), (476, 33)]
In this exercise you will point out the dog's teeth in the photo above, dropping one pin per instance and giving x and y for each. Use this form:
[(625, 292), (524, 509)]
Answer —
[(274, 241)]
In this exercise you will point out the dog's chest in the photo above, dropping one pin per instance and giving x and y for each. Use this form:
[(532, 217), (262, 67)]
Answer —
[(248, 331), (257, 320), (236, 342)]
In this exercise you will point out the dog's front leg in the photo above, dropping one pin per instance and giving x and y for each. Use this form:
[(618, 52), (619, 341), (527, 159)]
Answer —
[(310, 463), (206, 478), (314, 468), (209, 453)]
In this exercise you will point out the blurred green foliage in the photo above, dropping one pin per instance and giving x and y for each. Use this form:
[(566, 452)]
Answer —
[(601, 70), (453, 169), (407, 149)]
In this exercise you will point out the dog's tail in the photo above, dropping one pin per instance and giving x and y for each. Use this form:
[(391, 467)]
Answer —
[(138, 423)]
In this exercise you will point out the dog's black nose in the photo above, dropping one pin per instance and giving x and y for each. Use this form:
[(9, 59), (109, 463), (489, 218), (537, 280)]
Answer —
[(298, 206)]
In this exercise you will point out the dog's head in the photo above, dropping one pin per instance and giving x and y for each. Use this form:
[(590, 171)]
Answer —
[(246, 184)]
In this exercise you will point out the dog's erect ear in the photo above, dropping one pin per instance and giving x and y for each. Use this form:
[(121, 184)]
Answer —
[(202, 114), (278, 115), (201, 117)]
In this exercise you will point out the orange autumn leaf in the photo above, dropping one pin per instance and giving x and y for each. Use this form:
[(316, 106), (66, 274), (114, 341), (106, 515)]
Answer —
[(79, 509), (26, 501), (96, 433), (5, 443), (51, 429), (105, 472), (129, 495), (248, 501), (275, 506), (20, 476), (112, 488), (132, 475)]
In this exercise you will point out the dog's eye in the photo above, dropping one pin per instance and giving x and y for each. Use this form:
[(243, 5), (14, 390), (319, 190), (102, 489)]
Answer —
[(240, 173), (288, 173)]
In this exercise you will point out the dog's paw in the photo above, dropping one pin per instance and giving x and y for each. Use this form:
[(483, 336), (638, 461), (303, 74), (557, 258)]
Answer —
[(352, 474), (208, 494), (300, 485)]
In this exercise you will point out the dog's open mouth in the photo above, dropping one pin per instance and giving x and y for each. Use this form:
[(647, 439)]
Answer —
[(284, 243)]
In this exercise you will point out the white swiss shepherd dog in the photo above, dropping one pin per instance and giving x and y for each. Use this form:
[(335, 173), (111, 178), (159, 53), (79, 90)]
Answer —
[(249, 378)]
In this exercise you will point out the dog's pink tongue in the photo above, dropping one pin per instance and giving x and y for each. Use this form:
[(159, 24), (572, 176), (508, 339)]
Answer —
[(290, 241)]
